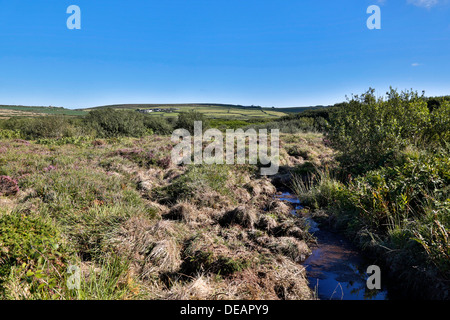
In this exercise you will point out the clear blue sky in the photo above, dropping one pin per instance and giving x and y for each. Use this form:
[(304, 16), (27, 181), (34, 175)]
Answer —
[(260, 52)]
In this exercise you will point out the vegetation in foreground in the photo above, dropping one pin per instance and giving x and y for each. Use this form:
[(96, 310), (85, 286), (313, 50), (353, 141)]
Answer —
[(139, 227)]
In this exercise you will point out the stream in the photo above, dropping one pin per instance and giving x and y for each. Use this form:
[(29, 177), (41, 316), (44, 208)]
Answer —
[(336, 270)]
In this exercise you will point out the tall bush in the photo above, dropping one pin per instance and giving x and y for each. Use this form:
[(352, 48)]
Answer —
[(369, 131), (113, 123), (186, 120)]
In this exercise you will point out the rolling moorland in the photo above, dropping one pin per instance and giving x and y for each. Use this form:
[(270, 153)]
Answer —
[(96, 189), (212, 111)]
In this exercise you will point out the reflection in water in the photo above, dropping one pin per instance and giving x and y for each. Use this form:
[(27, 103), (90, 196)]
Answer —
[(335, 269)]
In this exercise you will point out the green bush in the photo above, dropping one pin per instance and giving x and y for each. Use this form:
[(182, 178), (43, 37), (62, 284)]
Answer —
[(391, 195), (438, 132), (44, 127), (79, 141), (400, 207), (158, 125), (10, 134), (292, 125), (369, 132), (186, 121), (110, 123), (400, 204)]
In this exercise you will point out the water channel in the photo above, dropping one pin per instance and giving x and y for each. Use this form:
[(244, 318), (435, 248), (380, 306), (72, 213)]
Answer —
[(336, 269)]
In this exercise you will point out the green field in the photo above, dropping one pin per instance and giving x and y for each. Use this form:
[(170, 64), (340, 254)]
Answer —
[(8, 111)]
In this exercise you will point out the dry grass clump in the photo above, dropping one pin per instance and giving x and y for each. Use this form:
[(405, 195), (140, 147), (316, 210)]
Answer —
[(153, 248), (172, 173), (162, 257), (241, 195), (183, 211), (244, 216), (202, 287), (291, 228), (212, 199), (260, 187), (208, 252), (191, 215), (299, 148), (6, 204), (98, 143), (266, 223), (279, 279), (278, 207), (278, 221), (294, 249), (146, 179)]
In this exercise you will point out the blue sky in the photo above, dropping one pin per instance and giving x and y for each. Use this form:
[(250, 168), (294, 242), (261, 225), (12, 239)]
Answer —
[(264, 52)]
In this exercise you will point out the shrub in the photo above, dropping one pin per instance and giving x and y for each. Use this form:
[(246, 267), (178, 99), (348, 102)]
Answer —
[(186, 120), (158, 125), (114, 123), (391, 195), (369, 132), (404, 206), (439, 130), (9, 134), (79, 141), (44, 127)]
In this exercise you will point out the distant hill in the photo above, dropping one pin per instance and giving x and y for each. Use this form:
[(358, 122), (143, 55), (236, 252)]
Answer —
[(32, 111), (297, 109), (172, 105), (212, 110)]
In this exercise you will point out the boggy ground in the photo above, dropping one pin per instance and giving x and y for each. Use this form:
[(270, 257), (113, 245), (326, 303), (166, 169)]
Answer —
[(138, 227)]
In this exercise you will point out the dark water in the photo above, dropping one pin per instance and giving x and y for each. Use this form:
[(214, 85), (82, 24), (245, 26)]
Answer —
[(336, 269)]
